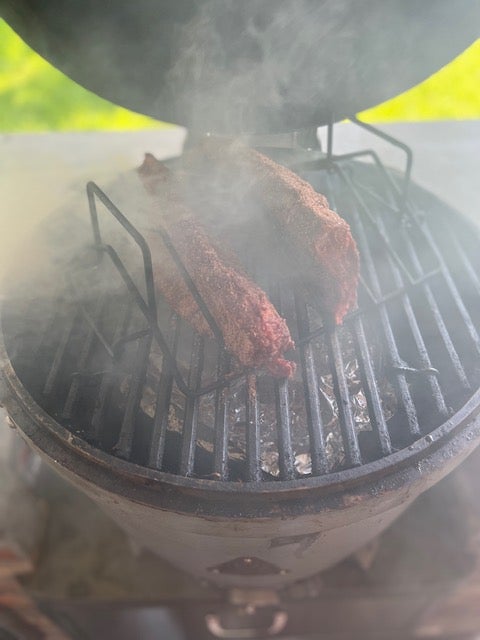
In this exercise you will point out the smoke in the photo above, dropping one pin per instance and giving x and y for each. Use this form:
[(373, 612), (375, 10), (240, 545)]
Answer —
[(50, 263), (45, 216), (244, 65)]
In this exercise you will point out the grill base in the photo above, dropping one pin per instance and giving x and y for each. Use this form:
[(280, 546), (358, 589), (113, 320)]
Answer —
[(403, 587)]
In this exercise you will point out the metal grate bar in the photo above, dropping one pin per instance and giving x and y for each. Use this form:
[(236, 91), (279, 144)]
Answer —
[(190, 422), (450, 284), (312, 399), (282, 405), (417, 335), (466, 263), (98, 418), (400, 145), (162, 404), (123, 448), (383, 237), (253, 431), (444, 271), (220, 445), (94, 191), (402, 385), (377, 417), (150, 317), (374, 303), (422, 279), (87, 346), (46, 336), (396, 293), (149, 306), (130, 337), (423, 228), (438, 318), (285, 451), (347, 424), (93, 326), (59, 354)]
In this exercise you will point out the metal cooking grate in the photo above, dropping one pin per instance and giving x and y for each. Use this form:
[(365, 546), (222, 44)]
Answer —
[(124, 373)]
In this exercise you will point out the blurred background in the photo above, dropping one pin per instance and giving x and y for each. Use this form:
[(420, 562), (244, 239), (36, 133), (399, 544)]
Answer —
[(36, 97)]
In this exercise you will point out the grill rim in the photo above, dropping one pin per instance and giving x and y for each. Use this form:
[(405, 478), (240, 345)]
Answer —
[(19, 403), (395, 483)]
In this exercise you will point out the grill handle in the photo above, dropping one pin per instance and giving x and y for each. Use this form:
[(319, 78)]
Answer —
[(278, 622)]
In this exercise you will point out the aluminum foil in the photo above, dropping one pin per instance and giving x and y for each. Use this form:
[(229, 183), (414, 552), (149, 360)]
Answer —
[(267, 415)]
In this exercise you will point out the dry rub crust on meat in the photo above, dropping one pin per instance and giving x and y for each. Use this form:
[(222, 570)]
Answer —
[(319, 240), (252, 329)]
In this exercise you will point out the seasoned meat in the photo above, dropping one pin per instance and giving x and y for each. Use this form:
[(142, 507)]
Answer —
[(319, 240), (252, 329)]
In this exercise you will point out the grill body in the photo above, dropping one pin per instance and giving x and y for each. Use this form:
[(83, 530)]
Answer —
[(268, 531), (247, 537)]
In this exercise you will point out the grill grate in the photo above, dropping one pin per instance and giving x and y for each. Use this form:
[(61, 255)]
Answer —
[(129, 376)]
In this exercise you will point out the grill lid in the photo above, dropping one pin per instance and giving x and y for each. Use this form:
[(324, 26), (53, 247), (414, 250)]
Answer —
[(257, 65)]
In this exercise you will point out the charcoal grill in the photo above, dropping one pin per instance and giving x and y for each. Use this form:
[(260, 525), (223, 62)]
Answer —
[(239, 478)]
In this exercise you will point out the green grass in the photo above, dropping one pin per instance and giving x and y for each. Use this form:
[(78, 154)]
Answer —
[(36, 97), (453, 93)]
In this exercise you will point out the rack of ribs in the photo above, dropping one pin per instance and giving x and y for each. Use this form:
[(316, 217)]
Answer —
[(251, 327), (317, 239)]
